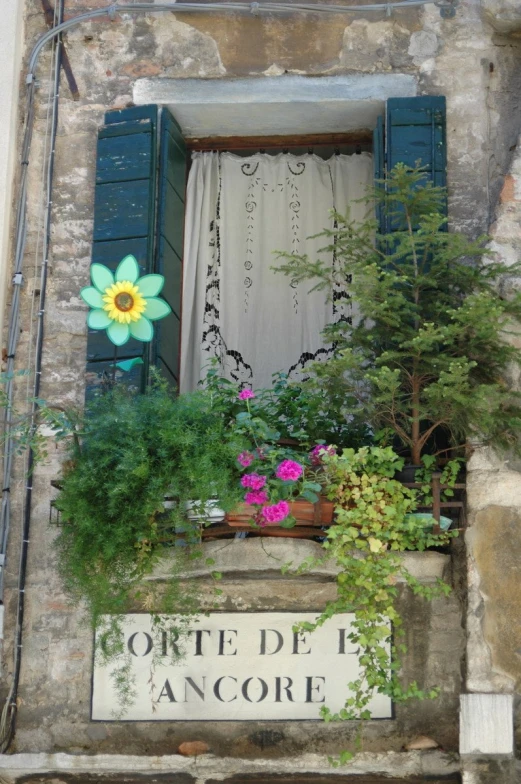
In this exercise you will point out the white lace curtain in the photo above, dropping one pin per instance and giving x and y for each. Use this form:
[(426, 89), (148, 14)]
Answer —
[(235, 307)]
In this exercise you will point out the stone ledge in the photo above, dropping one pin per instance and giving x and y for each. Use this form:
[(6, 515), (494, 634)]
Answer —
[(397, 764), (258, 558)]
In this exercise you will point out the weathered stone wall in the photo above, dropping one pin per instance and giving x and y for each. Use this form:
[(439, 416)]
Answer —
[(476, 67), (56, 678)]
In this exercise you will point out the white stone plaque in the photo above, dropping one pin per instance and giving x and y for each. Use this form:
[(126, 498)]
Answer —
[(235, 667)]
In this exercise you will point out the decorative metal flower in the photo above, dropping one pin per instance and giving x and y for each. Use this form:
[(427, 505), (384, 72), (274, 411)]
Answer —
[(123, 303)]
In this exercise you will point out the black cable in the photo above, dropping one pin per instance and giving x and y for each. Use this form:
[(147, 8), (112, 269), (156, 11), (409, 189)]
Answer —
[(12, 699)]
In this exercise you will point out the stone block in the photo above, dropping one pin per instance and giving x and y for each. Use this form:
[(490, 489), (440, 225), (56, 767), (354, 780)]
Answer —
[(486, 724), (494, 545)]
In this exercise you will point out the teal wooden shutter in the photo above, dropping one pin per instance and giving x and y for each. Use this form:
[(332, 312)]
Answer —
[(173, 167), (414, 134), (124, 222)]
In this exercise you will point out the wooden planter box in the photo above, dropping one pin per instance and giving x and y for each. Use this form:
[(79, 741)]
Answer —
[(304, 512), (310, 519)]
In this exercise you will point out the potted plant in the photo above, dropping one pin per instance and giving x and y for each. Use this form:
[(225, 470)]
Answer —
[(284, 428), (427, 358)]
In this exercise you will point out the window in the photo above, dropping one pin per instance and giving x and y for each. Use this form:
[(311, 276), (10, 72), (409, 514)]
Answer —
[(140, 202)]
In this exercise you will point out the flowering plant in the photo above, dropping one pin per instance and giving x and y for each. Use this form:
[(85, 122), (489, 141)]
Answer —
[(273, 474)]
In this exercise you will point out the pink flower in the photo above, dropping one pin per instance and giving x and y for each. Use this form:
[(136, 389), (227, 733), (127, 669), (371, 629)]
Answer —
[(319, 451), (275, 513), (245, 459), (256, 497), (253, 481), (289, 471), (246, 394)]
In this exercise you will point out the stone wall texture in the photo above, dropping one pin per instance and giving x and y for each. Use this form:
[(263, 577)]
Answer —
[(473, 59)]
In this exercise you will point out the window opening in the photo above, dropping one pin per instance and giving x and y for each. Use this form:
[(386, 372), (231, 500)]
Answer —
[(246, 199)]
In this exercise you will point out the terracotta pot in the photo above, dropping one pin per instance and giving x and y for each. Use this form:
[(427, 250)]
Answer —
[(304, 512)]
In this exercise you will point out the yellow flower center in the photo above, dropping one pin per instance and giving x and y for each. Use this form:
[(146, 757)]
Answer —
[(124, 302)]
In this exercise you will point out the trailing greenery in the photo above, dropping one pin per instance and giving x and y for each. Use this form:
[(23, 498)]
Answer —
[(131, 453), (373, 526), (427, 352)]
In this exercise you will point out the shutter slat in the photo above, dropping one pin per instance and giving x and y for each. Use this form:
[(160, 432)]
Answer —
[(171, 268), (111, 252), (173, 225), (124, 210), (122, 158)]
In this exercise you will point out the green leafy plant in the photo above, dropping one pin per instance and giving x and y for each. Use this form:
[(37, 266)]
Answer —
[(298, 412), (427, 353), (448, 476), (373, 527), (131, 452)]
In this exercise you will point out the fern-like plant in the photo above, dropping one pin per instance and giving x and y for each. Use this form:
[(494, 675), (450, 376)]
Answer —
[(427, 350), (133, 451)]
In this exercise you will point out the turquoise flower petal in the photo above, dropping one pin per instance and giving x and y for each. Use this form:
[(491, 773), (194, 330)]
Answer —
[(101, 276), (118, 333), (98, 319), (128, 364), (92, 297), (128, 269), (142, 329), (150, 285), (157, 308)]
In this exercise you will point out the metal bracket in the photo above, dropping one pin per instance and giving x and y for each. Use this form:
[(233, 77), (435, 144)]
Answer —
[(18, 279), (447, 8)]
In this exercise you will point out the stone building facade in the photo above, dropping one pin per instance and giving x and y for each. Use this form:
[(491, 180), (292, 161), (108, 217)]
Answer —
[(264, 73)]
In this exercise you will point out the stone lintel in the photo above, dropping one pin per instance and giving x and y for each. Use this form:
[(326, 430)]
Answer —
[(276, 105)]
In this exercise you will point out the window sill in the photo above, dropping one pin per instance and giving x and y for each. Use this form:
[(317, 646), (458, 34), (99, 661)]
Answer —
[(255, 557)]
